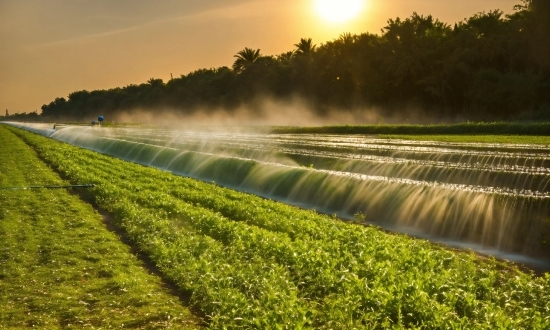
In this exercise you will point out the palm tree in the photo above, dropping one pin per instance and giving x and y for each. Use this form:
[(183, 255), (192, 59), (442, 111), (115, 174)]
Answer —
[(305, 46), (245, 57)]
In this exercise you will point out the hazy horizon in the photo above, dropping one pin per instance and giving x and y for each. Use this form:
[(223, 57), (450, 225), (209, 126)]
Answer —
[(53, 48)]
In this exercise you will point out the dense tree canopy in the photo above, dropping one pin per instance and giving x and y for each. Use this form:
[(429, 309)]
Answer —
[(489, 66)]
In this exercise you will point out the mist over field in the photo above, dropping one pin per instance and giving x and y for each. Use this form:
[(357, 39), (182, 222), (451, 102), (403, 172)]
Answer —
[(273, 112)]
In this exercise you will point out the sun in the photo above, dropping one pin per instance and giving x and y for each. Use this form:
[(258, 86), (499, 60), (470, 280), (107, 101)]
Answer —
[(338, 11)]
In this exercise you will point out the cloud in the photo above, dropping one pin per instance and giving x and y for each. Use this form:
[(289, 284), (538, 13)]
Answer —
[(240, 10), (84, 37), (132, 21)]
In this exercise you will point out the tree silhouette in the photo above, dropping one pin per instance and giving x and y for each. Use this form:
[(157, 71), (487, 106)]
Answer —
[(245, 57), (285, 57), (154, 82), (305, 46), (347, 38), (490, 66)]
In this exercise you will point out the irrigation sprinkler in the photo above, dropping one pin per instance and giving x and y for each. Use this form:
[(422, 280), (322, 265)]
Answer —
[(49, 187), (59, 126)]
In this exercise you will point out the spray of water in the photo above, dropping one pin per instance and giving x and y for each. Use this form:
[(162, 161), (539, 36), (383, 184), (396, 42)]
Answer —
[(493, 198)]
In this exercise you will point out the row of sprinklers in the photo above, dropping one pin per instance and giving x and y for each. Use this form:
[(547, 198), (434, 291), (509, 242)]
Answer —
[(100, 119)]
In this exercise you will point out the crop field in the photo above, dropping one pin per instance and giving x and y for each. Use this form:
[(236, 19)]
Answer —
[(252, 262), (491, 197), (490, 139), (477, 128), (60, 267)]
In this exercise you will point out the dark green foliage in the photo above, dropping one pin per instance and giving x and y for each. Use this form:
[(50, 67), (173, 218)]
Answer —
[(501, 94), (490, 66)]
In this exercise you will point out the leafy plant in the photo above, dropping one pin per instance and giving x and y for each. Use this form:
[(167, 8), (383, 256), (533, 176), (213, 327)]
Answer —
[(255, 263)]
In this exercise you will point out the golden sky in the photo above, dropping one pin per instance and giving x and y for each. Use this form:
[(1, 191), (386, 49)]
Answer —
[(50, 48)]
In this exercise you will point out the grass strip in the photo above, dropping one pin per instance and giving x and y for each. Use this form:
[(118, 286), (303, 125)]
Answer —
[(60, 267), (256, 263), (492, 128), (515, 139)]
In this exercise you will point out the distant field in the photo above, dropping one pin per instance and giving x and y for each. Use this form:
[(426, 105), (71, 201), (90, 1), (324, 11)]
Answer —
[(516, 139), (477, 128), (254, 263), (59, 265)]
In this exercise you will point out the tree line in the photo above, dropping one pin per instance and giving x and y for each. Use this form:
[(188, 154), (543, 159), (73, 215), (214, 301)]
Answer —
[(489, 66)]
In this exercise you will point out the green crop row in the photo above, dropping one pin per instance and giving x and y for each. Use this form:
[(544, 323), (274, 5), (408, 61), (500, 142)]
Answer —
[(517, 139), (493, 128), (254, 263), (60, 267)]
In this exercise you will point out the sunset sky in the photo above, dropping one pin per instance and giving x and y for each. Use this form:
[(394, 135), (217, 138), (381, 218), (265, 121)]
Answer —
[(50, 48)]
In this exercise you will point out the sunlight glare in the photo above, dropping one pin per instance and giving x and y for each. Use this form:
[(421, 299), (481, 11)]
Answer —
[(337, 11)]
